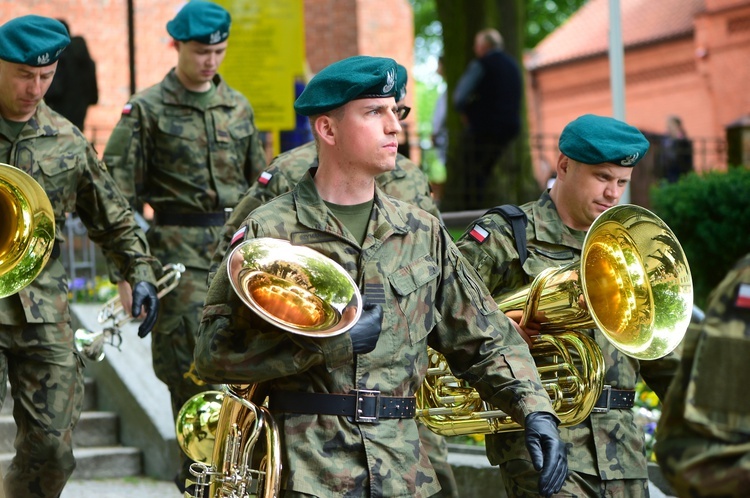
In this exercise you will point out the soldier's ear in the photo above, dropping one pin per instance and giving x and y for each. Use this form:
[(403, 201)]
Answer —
[(325, 128)]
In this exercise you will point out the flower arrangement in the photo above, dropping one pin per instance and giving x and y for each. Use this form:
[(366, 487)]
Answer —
[(647, 409), (85, 290)]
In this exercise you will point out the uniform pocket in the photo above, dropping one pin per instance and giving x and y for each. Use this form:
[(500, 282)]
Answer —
[(415, 287)]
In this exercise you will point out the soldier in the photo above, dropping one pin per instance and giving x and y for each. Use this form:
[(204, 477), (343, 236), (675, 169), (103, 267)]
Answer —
[(702, 445), (406, 182), (606, 451), (418, 290), (189, 148), (36, 338)]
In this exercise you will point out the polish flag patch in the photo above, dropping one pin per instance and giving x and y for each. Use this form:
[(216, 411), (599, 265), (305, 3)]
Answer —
[(238, 235), (127, 109), (478, 233), (264, 178), (743, 296)]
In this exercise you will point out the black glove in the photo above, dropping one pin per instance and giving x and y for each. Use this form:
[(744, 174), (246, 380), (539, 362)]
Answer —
[(366, 331), (144, 294), (547, 451)]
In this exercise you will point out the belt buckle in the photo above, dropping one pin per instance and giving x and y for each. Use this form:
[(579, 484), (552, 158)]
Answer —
[(359, 415), (604, 409)]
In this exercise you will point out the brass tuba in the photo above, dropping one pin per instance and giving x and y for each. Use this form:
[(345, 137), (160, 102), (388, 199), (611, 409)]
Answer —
[(91, 344), (300, 291), (27, 229), (633, 283)]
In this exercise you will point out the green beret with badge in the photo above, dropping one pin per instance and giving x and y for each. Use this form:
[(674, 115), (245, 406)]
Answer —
[(592, 139), (357, 77), (33, 40), (401, 77), (202, 22)]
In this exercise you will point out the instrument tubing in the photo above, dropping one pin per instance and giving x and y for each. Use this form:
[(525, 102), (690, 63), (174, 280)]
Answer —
[(359, 405), (614, 399), (190, 219)]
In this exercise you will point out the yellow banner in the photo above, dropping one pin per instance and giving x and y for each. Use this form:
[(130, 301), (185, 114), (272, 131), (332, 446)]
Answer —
[(266, 51)]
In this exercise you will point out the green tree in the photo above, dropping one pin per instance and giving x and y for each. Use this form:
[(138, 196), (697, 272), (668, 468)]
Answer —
[(452, 24)]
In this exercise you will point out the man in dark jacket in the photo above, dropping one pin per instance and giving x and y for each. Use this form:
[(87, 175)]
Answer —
[(488, 96)]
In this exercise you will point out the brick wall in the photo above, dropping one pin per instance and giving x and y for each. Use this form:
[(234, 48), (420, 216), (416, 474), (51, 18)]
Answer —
[(334, 29), (701, 77)]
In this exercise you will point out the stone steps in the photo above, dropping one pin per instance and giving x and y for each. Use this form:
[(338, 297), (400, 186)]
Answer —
[(96, 441)]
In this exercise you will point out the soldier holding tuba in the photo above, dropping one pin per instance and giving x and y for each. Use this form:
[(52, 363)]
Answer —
[(606, 450), (36, 339), (344, 403)]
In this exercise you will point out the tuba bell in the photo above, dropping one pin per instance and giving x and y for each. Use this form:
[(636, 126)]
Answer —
[(632, 283), (300, 291), (27, 230), (91, 344)]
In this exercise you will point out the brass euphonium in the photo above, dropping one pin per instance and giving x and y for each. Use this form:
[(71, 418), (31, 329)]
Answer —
[(91, 344), (632, 283), (27, 229), (299, 291)]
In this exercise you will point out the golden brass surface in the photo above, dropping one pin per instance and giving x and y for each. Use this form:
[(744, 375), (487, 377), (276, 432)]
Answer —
[(27, 229)]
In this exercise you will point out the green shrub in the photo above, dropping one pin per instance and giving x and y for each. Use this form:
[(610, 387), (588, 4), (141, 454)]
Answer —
[(710, 215)]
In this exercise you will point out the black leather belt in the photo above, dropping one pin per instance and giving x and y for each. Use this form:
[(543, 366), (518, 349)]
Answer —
[(360, 405), (190, 219), (614, 399)]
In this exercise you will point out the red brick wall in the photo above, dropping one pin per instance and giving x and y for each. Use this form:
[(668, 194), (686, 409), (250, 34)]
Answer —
[(701, 78), (335, 29)]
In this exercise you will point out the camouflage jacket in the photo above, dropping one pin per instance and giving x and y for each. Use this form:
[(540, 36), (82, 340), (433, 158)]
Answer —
[(406, 182), (59, 157), (428, 294), (703, 444), (609, 445), (180, 156)]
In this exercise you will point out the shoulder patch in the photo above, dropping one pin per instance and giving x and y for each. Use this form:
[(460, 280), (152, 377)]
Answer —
[(264, 178), (127, 109), (238, 235), (743, 296), (479, 233)]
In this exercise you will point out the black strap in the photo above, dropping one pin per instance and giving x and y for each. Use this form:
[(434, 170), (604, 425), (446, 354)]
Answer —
[(360, 405), (614, 399), (518, 222), (55, 253), (190, 219)]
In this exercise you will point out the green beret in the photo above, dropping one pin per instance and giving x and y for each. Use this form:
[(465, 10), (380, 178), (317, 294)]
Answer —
[(200, 21), (33, 40), (358, 77), (401, 77), (594, 139)]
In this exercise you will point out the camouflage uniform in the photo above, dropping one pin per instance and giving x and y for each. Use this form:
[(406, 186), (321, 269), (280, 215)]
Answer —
[(187, 160), (406, 182), (408, 264), (703, 444), (608, 446), (38, 355)]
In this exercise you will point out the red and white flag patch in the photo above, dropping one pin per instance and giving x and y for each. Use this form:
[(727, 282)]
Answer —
[(478, 233), (127, 109), (264, 178), (238, 235), (743, 296)]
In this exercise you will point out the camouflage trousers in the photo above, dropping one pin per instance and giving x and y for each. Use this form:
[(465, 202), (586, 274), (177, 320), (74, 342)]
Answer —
[(437, 450), (522, 481), (46, 380), (172, 344)]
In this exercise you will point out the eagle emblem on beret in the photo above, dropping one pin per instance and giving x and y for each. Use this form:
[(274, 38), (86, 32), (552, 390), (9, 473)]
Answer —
[(390, 80), (630, 160)]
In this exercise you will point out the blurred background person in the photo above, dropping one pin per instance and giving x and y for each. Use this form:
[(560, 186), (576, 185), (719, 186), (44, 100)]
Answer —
[(436, 172), (677, 150), (488, 96), (74, 86)]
